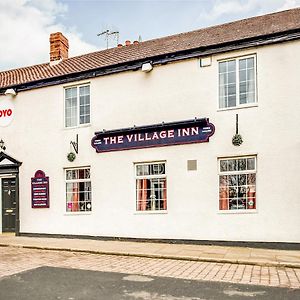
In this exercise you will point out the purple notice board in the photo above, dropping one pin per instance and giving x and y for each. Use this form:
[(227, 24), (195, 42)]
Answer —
[(40, 190)]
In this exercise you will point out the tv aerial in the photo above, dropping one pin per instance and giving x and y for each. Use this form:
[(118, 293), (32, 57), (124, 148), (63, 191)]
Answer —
[(108, 34)]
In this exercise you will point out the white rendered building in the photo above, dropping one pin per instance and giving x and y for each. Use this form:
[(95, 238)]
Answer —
[(150, 130)]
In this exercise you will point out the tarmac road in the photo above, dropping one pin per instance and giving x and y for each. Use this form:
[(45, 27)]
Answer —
[(72, 284)]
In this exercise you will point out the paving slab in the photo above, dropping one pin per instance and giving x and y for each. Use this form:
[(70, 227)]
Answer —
[(205, 253)]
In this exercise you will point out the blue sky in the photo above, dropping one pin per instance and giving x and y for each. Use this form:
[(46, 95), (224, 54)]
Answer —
[(25, 25)]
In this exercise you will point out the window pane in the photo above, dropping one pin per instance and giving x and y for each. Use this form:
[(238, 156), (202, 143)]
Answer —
[(243, 98), (250, 97), (222, 67), (231, 77), (251, 163), (243, 87), (232, 165), (231, 66), (242, 164), (233, 192), (223, 100), (243, 75), (242, 192), (84, 90), (242, 179), (231, 90), (231, 101), (250, 63), (251, 203), (233, 180), (232, 203), (223, 166), (250, 74), (242, 64), (71, 93), (139, 170), (251, 178)]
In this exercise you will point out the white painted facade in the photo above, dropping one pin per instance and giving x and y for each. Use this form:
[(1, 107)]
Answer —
[(173, 92)]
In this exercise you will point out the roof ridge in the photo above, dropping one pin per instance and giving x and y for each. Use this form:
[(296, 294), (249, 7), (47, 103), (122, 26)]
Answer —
[(222, 24), (282, 22), (152, 40)]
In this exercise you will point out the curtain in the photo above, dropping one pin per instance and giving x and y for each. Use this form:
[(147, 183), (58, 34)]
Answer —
[(251, 197), (75, 204), (141, 194), (224, 193), (144, 194), (164, 194)]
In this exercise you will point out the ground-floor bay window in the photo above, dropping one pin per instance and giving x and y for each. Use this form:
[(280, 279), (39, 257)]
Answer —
[(78, 190), (151, 186), (237, 183)]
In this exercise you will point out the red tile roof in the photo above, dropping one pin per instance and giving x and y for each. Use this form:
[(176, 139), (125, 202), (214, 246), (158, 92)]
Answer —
[(212, 36)]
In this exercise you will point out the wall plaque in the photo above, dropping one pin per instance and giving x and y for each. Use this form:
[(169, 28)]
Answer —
[(40, 190), (158, 135)]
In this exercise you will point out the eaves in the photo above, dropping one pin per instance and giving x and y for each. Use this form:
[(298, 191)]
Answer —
[(160, 60)]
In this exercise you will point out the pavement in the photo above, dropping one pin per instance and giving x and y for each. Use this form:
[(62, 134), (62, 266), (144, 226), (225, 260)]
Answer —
[(184, 252)]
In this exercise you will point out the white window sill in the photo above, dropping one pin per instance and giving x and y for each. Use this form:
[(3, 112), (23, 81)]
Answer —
[(240, 211), (78, 213), (239, 107), (151, 212), (79, 126)]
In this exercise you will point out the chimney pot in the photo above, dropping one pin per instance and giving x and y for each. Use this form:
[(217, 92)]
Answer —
[(135, 42), (120, 45), (127, 43), (59, 46)]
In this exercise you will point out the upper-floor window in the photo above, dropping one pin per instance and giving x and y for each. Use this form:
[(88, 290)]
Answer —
[(237, 82), (77, 105)]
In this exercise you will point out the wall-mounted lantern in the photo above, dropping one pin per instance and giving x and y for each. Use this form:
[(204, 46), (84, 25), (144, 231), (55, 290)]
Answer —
[(10, 92), (2, 146), (147, 67)]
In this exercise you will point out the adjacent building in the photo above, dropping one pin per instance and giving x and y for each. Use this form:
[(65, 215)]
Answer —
[(193, 136)]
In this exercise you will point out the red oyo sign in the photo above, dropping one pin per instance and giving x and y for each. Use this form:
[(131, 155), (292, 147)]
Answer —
[(6, 112)]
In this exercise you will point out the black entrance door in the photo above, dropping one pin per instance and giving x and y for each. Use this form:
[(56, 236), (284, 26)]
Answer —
[(8, 204)]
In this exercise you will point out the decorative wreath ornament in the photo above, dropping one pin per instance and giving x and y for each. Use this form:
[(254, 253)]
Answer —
[(237, 140), (71, 156)]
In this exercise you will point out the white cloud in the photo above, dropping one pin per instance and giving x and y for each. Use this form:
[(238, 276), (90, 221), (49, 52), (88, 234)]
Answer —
[(289, 4), (238, 9), (25, 26), (230, 7)]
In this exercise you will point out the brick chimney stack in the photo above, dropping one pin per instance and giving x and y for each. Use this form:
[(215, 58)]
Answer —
[(59, 46)]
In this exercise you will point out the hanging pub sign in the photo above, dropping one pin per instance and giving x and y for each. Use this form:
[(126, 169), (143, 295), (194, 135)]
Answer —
[(40, 190), (164, 134)]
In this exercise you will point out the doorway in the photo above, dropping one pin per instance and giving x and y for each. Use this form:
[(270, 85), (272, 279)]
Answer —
[(9, 194), (8, 204)]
